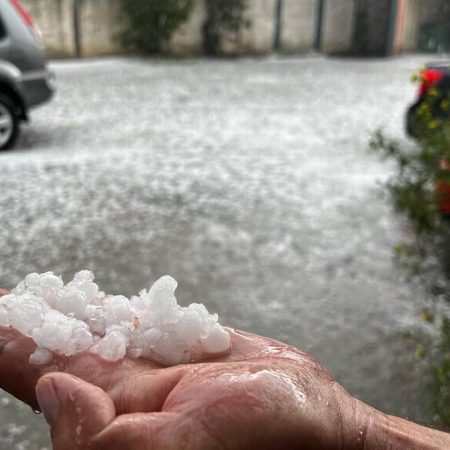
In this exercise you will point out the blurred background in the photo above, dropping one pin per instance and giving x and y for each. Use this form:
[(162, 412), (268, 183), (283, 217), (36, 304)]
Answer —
[(242, 27), (227, 143)]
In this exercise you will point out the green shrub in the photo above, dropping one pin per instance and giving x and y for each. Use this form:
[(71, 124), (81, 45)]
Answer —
[(415, 192), (150, 24), (441, 372), (222, 16), (419, 170)]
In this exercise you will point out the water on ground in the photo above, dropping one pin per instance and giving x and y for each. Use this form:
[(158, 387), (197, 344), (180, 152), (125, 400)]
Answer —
[(249, 181)]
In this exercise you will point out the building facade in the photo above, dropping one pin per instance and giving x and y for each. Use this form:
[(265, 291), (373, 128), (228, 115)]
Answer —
[(365, 27)]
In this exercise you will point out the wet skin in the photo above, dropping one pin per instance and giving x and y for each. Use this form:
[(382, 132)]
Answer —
[(263, 394)]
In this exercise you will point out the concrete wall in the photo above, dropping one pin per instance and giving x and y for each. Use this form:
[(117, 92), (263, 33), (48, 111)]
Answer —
[(418, 13), (299, 20), (430, 10), (188, 39), (256, 36), (372, 32), (55, 20), (384, 26), (411, 27), (338, 26), (98, 20), (100, 24), (400, 26)]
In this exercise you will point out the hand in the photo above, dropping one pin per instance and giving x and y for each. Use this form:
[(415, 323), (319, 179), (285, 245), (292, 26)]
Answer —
[(256, 404), (264, 394)]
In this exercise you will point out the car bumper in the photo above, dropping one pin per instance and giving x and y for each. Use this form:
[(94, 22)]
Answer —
[(39, 86), (412, 121)]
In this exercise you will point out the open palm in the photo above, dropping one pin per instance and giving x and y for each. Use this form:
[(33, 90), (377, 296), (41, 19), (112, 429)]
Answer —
[(262, 395)]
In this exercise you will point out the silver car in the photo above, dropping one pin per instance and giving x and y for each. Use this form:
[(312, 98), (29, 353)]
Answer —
[(25, 80)]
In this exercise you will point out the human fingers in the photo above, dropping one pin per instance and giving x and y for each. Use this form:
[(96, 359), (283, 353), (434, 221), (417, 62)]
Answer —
[(76, 411), (204, 406), (156, 431), (19, 377), (145, 391), (3, 292)]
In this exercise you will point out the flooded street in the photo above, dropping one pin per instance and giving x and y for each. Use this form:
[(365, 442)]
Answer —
[(249, 181)]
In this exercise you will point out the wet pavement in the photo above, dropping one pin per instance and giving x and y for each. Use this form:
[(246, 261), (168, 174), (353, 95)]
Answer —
[(249, 181)]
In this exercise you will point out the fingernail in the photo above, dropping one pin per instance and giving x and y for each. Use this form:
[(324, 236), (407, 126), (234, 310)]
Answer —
[(48, 401)]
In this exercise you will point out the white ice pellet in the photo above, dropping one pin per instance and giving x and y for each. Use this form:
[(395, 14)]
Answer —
[(41, 356), (32, 279), (73, 302), (189, 327), (27, 313), (113, 346), (51, 281), (117, 309), (55, 332), (200, 309), (81, 338), (162, 292), (165, 282), (84, 275), (95, 318), (48, 287), (89, 288), (143, 341), (19, 289), (216, 341), (77, 317), (151, 337), (170, 349)]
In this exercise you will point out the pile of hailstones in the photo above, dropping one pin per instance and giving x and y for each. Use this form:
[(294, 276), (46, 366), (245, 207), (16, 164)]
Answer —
[(77, 317)]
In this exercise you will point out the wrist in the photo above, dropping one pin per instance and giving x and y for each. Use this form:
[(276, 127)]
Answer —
[(373, 430), (399, 434)]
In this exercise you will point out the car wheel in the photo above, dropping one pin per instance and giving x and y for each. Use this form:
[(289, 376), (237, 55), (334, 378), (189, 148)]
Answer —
[(9, 123)]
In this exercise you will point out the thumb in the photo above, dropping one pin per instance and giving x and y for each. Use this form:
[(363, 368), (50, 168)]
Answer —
[(75, 410)]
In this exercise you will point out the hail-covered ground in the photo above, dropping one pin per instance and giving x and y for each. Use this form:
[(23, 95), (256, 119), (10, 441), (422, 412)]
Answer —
[(249, 181)]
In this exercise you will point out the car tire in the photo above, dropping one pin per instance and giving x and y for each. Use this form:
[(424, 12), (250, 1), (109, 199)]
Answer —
[(9, 122)]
